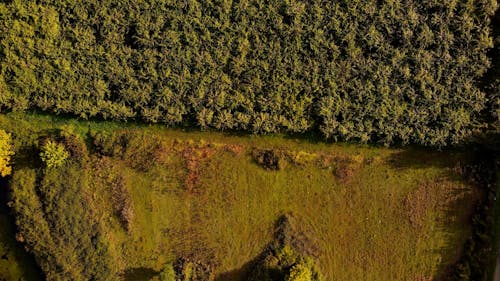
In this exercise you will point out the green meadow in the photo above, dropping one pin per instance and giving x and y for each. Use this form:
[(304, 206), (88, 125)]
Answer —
[(138, 198)]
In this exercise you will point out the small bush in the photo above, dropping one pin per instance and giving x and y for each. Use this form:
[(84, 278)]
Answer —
[(289, 257), (188, 270), (270, 159), (284, 263), (140, 150), (53, 154), (301, 158), (167, 274), (73, 143), (108, 144), (300, 272)]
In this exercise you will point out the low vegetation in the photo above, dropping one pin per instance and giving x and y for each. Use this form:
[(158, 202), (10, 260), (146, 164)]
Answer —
[(156, 204)]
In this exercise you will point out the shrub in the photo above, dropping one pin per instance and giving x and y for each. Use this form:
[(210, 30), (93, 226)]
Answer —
[(299, 272), (53, 154), (284, 263), (73, 143), (6, 152), (108, 143), (140, 150), (270, 159), (301, 158), (188, 270), (167, 274), (289, 256)]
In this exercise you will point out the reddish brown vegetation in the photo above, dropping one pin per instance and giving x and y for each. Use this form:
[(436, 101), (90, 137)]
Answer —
[(234, 148), (346, 167), (193, 156), (419, 202), (122, 201)]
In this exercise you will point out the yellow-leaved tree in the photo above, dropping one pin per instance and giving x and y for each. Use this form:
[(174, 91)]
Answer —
[(6, 153), (300, 272)]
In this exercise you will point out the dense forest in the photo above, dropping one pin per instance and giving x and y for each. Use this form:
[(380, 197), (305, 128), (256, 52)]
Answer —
[(392, 71)]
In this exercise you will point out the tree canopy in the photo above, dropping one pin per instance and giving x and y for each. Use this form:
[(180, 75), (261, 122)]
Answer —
[(53, 154), (6, 152), (392, 71)]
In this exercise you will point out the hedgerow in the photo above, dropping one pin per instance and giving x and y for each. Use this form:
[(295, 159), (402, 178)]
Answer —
[(394, 71)]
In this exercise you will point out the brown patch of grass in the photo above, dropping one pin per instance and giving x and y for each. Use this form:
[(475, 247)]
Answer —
[(122, 201), (418, 203), (325, 161), (193, 156), (162, 154), (108, 173), (346, 167), (234, 148), (437, 195), (423, 278)]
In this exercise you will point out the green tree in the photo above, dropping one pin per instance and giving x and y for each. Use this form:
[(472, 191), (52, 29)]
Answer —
[(6, 153), (399, 71), (53, 154)]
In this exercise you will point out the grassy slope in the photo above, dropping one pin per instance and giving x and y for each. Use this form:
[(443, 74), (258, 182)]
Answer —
[(403, 214)]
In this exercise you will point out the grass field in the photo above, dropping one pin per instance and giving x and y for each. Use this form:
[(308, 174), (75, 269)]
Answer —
[(369, 213)]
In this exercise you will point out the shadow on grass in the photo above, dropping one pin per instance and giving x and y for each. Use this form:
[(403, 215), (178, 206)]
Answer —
[(417, 157), (139, 274), (24, 158), (240, 274), (26, 262), (456, 216), (467, 210)]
